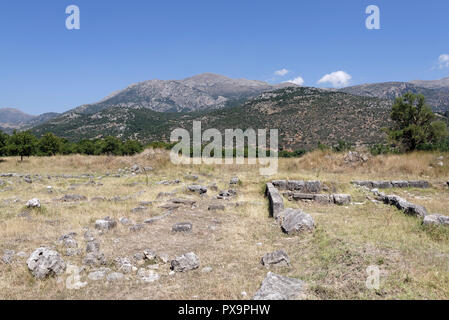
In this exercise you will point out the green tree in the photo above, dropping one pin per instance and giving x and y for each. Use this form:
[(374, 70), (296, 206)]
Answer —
[(22, 144), (111, 145), (3, 141), (87, 146), (414, 123), (131, 147), (50, 144)]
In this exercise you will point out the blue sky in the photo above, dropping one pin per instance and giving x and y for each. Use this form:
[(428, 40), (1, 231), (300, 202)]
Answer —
[(45, 67)]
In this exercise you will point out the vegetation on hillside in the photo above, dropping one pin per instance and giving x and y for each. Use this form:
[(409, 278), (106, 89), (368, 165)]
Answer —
[(414, 127), (303, 117)]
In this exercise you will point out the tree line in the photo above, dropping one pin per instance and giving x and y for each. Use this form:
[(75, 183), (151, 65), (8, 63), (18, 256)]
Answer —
[(25, 144)]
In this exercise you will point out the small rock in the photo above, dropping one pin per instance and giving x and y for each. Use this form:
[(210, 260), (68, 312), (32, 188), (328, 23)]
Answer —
[(93, 246), (98, 275), (94, 259), (70, 252), (72, 198), (277, 287), (89, 236), (115, 276), (342, 199), (278, 258), (68, 240), (139, 209), (44, 262), (234, 180), (169, 182), (216, 207), (8, 256), (436, 219), (183, 201), (123, 265), (165, 258), (137, 227), (191, 177), (198, 189), (136, 169), (125, 221), (153, 267), (186, 262), (182, 227), (21, 254), (150, 255), (206, 270), (33, 203), (98, 199), (105, 224), (296, 221), (148, 276)]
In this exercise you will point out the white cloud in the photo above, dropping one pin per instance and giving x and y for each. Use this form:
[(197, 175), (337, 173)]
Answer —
[(281, 72), (298, 81), (443, 61), (337, 79)]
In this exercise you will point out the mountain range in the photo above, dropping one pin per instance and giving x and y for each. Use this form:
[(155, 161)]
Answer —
[(149, 110), (303, 116), (13, 119), (198, 93), (436, 92)]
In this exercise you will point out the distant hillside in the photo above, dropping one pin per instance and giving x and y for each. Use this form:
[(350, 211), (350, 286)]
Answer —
[(202, 92), (304, 116), (13, 119), (10, 116), (432, 84), (437, 95)]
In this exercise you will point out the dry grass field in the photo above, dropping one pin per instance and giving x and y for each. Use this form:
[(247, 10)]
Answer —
[(332, 260)]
